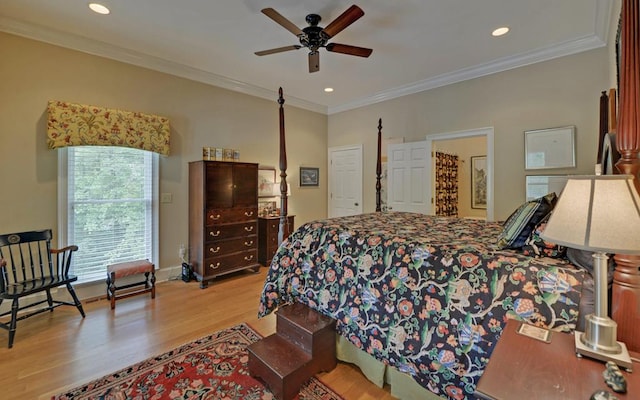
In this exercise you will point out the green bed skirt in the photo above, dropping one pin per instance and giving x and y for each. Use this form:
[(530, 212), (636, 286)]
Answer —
[(402, 385)]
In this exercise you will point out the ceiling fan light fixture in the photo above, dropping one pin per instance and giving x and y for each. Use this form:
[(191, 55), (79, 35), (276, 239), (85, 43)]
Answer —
[(328, 89), (314, 37), (99, 8), (500, 31)]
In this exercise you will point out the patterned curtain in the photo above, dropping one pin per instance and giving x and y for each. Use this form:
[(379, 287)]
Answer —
[(446, 184), (71, 124)]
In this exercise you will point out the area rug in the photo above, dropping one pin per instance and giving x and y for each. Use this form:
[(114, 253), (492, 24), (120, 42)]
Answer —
[(213, 367)]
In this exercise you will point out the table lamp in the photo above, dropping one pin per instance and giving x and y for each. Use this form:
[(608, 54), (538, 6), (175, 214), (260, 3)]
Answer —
[(599, 214)]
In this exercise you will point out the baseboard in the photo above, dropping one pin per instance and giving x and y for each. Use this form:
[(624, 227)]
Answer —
[(92, 291)]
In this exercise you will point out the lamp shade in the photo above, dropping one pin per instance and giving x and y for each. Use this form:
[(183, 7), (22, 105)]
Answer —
[(597, 213)]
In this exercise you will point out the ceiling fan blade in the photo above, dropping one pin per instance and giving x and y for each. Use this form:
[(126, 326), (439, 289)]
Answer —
[(351, 50), (277, 50), (277, 17), (345, 19), (314, 61)]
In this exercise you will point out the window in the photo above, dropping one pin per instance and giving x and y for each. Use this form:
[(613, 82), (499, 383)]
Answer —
[(107, 206)]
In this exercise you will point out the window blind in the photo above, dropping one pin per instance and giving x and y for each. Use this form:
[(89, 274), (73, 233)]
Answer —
[(109, 207)]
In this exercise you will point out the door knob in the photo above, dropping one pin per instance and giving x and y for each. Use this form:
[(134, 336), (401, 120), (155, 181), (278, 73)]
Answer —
[(355, 204)]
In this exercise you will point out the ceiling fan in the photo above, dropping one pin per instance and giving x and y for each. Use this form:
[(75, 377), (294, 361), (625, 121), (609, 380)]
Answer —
[(314, 37)]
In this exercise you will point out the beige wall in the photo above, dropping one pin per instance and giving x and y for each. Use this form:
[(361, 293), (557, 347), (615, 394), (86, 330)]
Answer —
[(560, 92), (31, 73)]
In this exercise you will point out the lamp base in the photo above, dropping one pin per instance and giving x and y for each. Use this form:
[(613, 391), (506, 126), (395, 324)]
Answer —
[(622, 358)]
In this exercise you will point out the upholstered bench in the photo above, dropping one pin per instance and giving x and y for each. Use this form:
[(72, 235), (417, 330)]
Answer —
[(121, 270)]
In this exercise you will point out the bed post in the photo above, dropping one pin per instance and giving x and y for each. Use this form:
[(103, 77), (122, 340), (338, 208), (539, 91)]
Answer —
[(625, 307), (379, 168), (283, 172)]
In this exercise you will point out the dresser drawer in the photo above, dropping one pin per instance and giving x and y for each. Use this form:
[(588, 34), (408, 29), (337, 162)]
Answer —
[(228, 231), (231, 262), (218, 248), (273, 227), (224, 215)]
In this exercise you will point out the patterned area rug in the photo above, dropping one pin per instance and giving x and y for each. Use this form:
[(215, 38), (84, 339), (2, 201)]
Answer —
[(214, 367)]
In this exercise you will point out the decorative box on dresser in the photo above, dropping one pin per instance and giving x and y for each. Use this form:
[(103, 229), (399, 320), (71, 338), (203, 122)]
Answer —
[(268, 228), (223, 218)]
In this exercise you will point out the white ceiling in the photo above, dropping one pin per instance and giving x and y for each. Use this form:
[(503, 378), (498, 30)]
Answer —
[(417, 44)]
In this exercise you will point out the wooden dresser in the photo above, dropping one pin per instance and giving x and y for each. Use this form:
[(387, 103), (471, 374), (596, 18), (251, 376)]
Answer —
[(223, 218), (268, 237)]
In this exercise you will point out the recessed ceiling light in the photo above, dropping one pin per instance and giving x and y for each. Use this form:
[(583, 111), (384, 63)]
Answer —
[(500, 31), (99, 8), (328, 89)]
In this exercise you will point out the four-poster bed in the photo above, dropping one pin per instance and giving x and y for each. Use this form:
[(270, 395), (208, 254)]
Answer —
[(430, 295)]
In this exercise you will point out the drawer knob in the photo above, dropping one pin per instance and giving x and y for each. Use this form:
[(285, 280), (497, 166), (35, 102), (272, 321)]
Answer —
[(248, 243), (248, 213), (248, 258), (216, 234), (214, 217), (214, 266), (217, 249), (248, 228)]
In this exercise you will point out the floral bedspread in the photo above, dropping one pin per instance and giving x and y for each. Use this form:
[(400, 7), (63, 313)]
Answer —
[(427, 295)]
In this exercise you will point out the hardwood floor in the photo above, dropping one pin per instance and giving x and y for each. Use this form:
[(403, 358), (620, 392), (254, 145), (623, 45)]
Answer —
[(60, 350)]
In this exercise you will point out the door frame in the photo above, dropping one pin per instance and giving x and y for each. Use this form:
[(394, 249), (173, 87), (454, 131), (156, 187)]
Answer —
[(489, 134), (331, 150)]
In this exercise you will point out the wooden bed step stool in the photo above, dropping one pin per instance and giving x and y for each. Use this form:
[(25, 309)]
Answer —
[(121, 270), (303, 345)]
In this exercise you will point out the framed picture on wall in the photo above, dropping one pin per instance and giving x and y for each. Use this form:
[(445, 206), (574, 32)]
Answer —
[(309, 176), (266, 180), (541, 185), (479, 182), (550, 148)]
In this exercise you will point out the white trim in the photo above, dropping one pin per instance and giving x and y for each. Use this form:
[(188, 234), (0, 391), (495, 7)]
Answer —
[(488, 132), (477, 71), (95, 47), (62, 196), (102, 49), (155, 213)]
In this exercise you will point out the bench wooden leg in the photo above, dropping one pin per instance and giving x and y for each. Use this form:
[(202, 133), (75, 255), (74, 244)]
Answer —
[(76, 301), (152, 283), (111, 289), (14, 319), (49, 300)]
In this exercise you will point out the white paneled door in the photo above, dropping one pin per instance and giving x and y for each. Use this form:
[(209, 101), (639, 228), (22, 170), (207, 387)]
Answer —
[(345, 181), (407, 177)]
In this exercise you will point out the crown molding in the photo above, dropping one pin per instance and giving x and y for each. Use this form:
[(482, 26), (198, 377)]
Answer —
[(599, 39), (106, 50), (477, 71), (602, 20)]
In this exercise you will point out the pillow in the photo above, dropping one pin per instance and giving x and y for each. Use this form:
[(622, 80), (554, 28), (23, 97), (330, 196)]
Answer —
[(535, 246), (519, 225)]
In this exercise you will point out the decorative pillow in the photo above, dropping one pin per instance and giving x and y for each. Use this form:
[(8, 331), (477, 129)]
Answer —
[(519, 225), (535, 246)]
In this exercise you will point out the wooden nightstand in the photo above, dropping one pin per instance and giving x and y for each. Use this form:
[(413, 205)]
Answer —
[(268, 228), (525, 368)]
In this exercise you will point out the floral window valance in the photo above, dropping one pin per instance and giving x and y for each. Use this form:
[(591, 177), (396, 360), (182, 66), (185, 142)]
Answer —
[(71, 124)]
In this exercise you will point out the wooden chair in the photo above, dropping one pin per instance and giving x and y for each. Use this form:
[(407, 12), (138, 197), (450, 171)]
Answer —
[(28, 267)]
